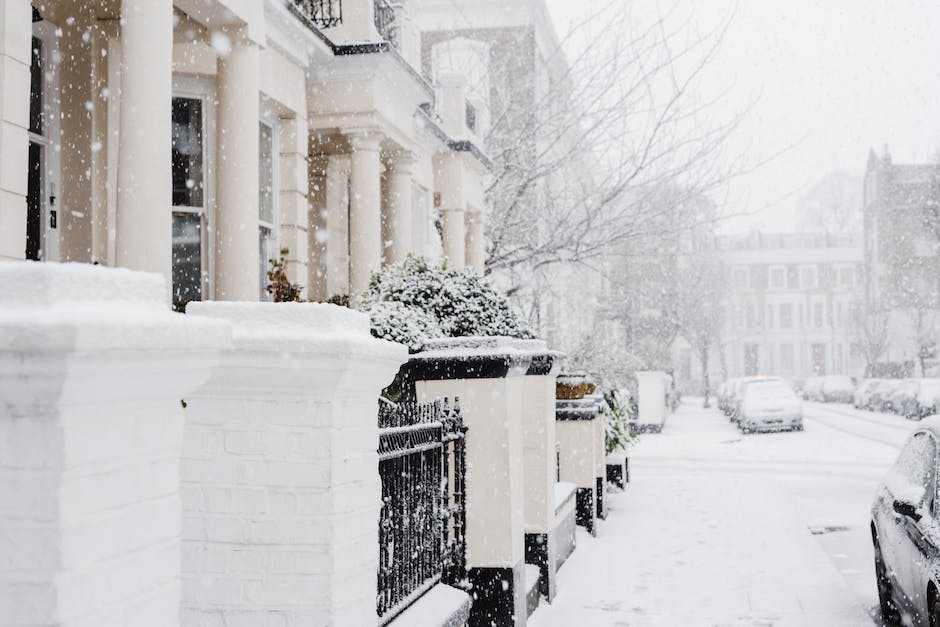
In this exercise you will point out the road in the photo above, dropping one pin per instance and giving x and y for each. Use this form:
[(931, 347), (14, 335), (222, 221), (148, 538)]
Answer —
[(719, 528)]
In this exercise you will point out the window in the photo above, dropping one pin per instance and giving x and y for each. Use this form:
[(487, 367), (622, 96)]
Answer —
[(267, 219), (786, 357), (778, 278), (786, 316), (808, 277), (916, 465), (188, 175), (847, 276), (818, 312)]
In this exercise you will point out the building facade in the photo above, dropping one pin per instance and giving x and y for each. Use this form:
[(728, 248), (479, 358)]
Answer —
[(197, 138), (901, 210), (790, 302)]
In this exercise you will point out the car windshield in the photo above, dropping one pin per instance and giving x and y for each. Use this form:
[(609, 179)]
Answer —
[(768, 390)]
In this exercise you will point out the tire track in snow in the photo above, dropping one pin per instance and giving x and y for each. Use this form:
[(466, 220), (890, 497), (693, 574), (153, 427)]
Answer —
[(892, 443)]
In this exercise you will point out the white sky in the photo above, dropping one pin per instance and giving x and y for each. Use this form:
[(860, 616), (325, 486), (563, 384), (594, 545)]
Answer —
[(834, 76)]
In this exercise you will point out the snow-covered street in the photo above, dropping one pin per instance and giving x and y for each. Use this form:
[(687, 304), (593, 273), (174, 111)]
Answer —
[(719, 528)]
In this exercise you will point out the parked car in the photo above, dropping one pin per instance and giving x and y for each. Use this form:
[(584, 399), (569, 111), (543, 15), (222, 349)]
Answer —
[(880, 398), (927, 397), (905, 517), (722, 394), (812, 389), (864, 391), (837, 388), (902, 398), (737, 392), (769, 405)]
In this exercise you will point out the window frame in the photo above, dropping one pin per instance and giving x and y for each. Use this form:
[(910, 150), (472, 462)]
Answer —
[(271, 121), (770, 279), (815, 282), (202, 89)]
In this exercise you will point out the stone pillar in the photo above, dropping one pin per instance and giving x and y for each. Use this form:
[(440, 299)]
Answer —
[(294, 201), (488, 380), (281, 490), (365, 210), (449, 183), (91, 430), (337, 226), (397, 221), (237, 264), (576, 431), (15, 46), (476, 243), (538, 437), (144, 194), (317, 232)]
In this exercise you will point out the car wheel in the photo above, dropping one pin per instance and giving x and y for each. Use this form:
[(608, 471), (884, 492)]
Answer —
[(889, 611), (934, 608)]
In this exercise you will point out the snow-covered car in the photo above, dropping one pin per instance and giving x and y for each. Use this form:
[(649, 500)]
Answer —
[(737, 396), (837, 388), (880, 398), (927, 396), (769, 405), (812, 388), (903, 397), (905, 518), (864, 391)]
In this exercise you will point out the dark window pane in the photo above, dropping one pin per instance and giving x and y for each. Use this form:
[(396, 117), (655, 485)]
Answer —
[(187, 258), (36, 117), (187, 153)]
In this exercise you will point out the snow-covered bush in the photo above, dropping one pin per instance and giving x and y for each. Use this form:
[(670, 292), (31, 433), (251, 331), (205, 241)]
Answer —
[(460, 302), (406, 325), (616, 422)]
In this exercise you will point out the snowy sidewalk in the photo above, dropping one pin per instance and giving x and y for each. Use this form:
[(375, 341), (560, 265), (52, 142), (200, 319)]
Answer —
[(699, 547)]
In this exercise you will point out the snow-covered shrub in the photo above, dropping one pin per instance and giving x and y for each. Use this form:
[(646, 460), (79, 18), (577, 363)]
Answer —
[(461, 303), (406, 325), (616, 422)]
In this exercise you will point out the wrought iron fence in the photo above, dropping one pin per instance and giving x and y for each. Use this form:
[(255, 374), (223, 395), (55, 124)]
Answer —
[(320, 13), (385, 21), (422, 524)]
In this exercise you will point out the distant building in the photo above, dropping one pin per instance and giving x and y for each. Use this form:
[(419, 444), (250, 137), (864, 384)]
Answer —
[(789, 304), (902, 225)]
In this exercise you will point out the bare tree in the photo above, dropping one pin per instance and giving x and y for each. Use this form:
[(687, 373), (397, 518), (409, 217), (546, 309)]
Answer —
[(870, 328), (833, 204), (701, 315), (580, 166)]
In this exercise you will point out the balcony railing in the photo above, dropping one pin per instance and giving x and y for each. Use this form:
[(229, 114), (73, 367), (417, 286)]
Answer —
[(320, 13), (385, 21), (422, 524)]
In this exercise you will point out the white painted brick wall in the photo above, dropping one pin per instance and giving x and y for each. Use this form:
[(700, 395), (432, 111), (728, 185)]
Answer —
[(280, 484), (91, 431)]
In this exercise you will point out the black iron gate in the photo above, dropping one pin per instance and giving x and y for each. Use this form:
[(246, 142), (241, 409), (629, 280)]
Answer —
[(422, 525)]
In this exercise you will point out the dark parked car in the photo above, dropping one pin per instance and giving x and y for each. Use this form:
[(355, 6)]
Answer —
[(905, 529)]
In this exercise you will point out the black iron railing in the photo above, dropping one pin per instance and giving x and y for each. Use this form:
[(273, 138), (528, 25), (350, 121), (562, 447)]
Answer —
[(320, 13), (422, 524), (385, 21)]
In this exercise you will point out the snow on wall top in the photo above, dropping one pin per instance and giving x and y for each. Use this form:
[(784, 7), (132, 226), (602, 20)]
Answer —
[(298, 327), (69, 306)]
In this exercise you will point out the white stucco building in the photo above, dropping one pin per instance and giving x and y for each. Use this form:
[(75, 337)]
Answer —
[(789, 304), (195, 138)]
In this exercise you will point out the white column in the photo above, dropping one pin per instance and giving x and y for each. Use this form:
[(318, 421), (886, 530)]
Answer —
[(237, 264), (15, 31), (91, 434), (476, 244), (365, 210), (144, 219), (281, 489), (448, 179), (337, 226), (397, 221)]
